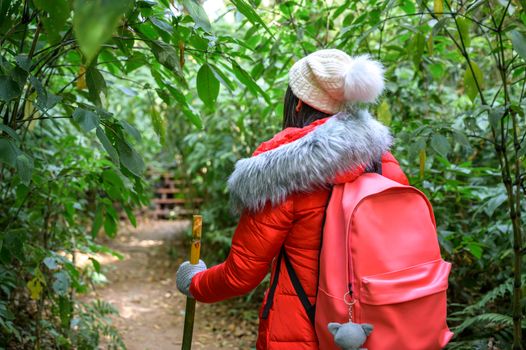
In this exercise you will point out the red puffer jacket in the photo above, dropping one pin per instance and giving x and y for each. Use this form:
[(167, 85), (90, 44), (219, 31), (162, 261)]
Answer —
[(282, 192)]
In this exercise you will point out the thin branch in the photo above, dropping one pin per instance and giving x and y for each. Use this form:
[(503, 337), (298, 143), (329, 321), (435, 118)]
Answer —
[(463, 51), (481, 137), (62, 43), (44, 118), (35, 40), (504, 16)]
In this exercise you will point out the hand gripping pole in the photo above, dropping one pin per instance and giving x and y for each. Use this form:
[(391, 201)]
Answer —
[(195, 251)]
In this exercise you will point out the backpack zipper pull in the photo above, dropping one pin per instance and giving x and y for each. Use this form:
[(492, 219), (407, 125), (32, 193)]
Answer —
[(348, 298)]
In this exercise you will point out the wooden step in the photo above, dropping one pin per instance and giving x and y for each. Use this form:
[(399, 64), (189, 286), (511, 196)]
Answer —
[(169, 201), (162, 190)]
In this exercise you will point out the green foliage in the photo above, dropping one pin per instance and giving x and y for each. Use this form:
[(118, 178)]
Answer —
[(198, 14), (94, 22), (69, 150)]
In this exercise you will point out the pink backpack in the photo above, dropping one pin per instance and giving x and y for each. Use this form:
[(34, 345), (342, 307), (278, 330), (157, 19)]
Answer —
[(380, 264)]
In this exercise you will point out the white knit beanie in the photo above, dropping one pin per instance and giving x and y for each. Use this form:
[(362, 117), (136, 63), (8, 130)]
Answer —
[(330, 79)]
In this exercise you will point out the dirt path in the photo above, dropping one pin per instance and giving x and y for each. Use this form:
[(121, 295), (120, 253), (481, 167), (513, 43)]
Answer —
[(142, 288)]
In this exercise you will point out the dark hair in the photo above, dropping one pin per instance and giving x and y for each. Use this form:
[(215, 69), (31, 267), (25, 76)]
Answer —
[(305, 116)]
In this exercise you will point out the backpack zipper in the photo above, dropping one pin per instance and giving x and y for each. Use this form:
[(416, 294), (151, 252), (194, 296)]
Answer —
[(349, 297)]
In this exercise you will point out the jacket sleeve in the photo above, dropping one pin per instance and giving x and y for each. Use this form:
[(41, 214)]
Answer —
[(391, 169), (256, 241)]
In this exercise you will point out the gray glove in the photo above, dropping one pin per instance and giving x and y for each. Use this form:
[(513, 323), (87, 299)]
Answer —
[(185, 273)]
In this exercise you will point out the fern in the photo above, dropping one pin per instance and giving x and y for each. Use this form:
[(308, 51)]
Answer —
[(93, 322), (477, 344), (103, 308), (487, 319), (500, 291)]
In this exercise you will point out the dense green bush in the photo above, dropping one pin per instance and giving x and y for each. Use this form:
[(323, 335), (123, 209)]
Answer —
[(68, 154)]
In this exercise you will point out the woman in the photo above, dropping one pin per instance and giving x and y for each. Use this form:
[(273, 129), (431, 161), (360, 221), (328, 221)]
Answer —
[(283, 189)]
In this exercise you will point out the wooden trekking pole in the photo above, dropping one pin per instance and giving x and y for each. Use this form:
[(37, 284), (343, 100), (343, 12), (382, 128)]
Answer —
[(189, 314)]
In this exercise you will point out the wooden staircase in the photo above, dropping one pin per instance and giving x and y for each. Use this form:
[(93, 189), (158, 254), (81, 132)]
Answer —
[(172, 199)]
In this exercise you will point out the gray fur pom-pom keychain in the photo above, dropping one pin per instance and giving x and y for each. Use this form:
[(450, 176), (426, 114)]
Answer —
[(350, 336)]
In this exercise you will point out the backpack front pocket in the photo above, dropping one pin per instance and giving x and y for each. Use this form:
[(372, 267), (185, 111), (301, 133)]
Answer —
[(405, 307)]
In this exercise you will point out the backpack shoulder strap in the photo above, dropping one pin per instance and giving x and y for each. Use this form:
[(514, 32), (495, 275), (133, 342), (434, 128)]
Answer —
[(309, 308), (273, 286)]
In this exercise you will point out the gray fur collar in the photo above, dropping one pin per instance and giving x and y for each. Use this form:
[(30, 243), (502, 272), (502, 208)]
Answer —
[(345, 141)]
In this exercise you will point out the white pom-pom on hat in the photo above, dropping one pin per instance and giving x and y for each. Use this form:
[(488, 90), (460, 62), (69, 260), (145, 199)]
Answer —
[(328, 80), (364, 80)]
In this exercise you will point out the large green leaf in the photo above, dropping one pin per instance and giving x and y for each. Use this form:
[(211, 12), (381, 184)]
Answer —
[(464, 26), (248, 11), (8, 152), (207, 85), (167, 56), (187, 110), (96, 84), (61, 283), (130, 130), (197, 12), (66, 307), (58, 13), (408, 6), (9, 88), (24, 167), (51, 262), (24, 62), (247, 80), (103, 138), (440, 144), (13, 244), (45, 98), (519, 43), (193, 117), (10, 132), (471, 86), (494, 116), (131, 215), (130, 159), (418, 45), (97, 221), (162, 25), (94, 22), (436, 69), (136, 60), (113, 185), (159, 124), (86, 119), (110, 226), (4, 7), (178, 95), (222, 77)]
